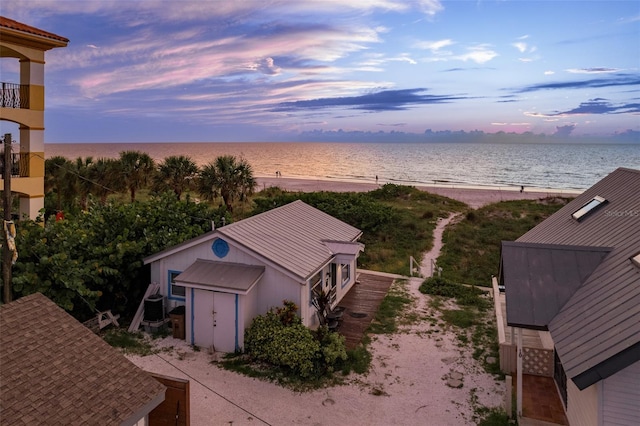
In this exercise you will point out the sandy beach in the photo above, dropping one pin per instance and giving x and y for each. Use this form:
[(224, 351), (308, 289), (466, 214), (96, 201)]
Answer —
[(475, 197)]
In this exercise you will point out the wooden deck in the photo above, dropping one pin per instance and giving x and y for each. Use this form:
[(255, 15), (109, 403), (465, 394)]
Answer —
[(361, 304)]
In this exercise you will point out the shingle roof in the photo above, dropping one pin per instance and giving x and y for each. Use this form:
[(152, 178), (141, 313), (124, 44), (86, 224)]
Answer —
[(235, 277), (295, 236), (55, 371), (597, 332), (19, 26)]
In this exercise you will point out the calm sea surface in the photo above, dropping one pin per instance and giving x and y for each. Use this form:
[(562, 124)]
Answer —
[(556, 166)]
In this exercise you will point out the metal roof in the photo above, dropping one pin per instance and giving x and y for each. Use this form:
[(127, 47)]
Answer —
[(597, 331), (55, 371), (224, 276), (291, 236), (542, 278), (342, 247)]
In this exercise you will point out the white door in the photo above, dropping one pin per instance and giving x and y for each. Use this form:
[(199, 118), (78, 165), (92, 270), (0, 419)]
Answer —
[(214, 320)]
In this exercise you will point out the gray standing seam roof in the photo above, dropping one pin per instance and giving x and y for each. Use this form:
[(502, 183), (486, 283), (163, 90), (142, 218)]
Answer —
[(292, 236), (55, 371), (233, 277), (597, 331), (542, 278)]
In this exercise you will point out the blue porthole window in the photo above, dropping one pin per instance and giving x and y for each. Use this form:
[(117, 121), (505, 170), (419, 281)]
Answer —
[(220, 248)]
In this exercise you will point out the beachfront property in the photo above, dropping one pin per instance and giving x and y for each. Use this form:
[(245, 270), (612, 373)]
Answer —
[(226, 277), (572, 305), (55, 371), (23, 103)]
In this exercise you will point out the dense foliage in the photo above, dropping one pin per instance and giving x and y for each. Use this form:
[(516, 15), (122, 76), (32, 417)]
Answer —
[(94, 259), (279, 338), (70, 184), (471, 252)]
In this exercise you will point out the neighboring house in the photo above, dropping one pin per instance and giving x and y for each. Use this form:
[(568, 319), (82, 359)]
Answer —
[(55, 371), (228, 276), (576, 278), (22, 102)]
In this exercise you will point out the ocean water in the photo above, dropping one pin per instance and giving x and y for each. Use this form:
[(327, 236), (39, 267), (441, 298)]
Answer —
[(554, 166)]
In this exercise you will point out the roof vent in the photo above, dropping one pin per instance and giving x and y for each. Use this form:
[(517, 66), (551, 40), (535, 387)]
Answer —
[(636, 260), (592, 205)]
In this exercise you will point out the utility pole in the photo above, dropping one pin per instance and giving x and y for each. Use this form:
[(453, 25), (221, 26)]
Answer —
[(6, 252)]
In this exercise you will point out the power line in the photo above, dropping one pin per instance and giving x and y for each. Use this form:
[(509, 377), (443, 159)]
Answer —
[(213, 391), (73, 172)]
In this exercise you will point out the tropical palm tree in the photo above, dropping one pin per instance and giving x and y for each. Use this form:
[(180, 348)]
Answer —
[(137, 169), (58, 178), (81, 182), (105, 176), (227, 177), (176, 173)]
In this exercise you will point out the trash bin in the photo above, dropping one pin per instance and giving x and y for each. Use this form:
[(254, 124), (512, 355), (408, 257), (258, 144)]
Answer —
[(177, 322)]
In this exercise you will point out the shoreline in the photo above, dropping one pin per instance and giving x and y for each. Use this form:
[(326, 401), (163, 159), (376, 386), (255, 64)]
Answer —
[(474, 196)]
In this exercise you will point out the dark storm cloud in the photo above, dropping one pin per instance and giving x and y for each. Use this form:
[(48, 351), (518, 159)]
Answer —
[(386, 100)]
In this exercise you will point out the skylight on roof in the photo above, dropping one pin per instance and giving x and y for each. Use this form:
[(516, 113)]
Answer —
[(592, 205), (636, 260)]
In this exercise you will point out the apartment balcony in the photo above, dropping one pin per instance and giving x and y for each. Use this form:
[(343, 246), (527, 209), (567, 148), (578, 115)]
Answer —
[(19, 165), (13, 95)]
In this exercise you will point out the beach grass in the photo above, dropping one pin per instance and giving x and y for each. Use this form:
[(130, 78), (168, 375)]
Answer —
[(471, 252)]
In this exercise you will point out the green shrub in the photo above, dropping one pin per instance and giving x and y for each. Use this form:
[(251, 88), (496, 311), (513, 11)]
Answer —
[(281, 340), (464, 295)]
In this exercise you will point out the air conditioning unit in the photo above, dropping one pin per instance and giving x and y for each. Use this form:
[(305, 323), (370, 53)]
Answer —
[(154, 308)]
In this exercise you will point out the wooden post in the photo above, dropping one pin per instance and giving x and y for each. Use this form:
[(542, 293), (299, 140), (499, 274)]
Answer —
[(509, 403), (6, 253), (519, 374)]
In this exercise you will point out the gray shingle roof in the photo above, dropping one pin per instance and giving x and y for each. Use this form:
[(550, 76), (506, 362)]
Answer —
[(55, 371), (597, 331), (234, 277)]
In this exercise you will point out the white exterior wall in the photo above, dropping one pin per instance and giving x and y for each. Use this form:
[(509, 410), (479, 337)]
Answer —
[(343, 288), (582, 406), (274, 287), (620, 397)]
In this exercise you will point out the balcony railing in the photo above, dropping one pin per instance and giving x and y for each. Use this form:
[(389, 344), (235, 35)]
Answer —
[(19, 164), (13, 95)]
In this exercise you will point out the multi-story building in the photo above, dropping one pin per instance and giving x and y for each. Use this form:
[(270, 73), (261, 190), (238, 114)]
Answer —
[(23, 103)]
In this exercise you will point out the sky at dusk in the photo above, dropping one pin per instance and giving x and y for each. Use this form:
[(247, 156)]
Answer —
[(261, 70)]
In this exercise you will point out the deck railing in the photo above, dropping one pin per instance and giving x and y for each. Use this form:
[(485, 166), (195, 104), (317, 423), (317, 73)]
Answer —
[(13, 95), (19, 164)]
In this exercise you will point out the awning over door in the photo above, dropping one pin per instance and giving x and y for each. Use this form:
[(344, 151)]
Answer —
[(220, 276)]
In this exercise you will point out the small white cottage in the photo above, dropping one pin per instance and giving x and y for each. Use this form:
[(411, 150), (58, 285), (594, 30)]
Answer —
[(228, 276)]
